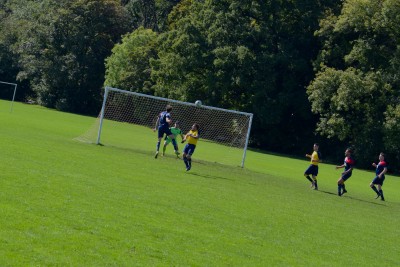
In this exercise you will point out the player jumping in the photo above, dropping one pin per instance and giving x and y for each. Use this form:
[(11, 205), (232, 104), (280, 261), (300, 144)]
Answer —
[(163, 122), (175, 131)]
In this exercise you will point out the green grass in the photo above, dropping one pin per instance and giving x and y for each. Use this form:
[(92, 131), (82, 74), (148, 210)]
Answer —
[(68, 203)]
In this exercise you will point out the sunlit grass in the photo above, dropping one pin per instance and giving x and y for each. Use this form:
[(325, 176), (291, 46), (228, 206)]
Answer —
[(64, 202)]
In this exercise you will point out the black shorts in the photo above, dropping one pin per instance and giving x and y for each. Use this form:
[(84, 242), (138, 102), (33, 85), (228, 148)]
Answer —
[(346, 176), (378, 180), (163, 130), (312, 169)]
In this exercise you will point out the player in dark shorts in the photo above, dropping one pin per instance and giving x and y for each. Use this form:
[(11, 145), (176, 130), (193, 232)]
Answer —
[(348, 166), (313, 168), (381, 169), (191, 137), (163, 123), (175, 131)]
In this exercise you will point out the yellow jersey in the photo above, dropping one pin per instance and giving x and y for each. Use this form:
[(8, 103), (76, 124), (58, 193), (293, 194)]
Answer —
[(315, 157), (192, 140)]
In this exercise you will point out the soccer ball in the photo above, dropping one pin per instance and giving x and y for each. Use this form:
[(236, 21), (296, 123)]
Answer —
[(198, 103)]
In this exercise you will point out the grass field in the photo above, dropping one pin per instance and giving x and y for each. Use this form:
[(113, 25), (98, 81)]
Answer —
[(68, 203)]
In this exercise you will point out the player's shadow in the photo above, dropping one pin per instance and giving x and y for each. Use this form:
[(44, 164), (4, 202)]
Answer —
[(209, 176), (326, 192), (353, 198), (362, 200)]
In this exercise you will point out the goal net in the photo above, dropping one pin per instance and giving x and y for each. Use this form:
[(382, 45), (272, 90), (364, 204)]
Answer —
[(127, 120)]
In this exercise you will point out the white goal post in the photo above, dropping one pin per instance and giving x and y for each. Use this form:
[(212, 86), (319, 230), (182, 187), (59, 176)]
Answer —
[(225, 131), (15, 90)]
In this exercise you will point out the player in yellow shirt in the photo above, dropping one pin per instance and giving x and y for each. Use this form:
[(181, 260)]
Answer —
[(191, 137), (313, 168)]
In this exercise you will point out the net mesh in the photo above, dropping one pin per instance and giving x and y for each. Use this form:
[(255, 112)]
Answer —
[(225, 131)]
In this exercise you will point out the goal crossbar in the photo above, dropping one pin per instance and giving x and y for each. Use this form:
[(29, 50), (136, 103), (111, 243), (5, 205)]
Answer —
[(172, 101)]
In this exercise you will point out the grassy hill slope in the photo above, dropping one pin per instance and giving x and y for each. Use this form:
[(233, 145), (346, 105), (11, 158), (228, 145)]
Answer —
[(64, 202)]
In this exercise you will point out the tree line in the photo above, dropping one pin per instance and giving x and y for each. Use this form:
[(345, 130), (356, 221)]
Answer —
[(309, 70)]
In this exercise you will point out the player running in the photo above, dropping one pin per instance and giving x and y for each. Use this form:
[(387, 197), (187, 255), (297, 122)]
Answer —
[(163, 122), (381, 169), (348, 166), (175, 131), (191, 137), (313, 168)]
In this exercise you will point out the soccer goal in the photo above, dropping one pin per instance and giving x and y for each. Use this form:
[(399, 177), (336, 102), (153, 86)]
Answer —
[(126, 119), (15, 90)]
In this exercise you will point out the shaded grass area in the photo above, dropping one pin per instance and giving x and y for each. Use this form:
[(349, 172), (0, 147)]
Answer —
[(69, 203)]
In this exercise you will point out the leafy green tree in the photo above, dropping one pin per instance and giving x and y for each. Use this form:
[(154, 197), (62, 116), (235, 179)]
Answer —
[(143, 13), (164, 8), (62, 46), (246, 55), (356, 90), (84, 36), (150, 14), (8, 57), (129, 65), (183, 58), (392, 128)]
